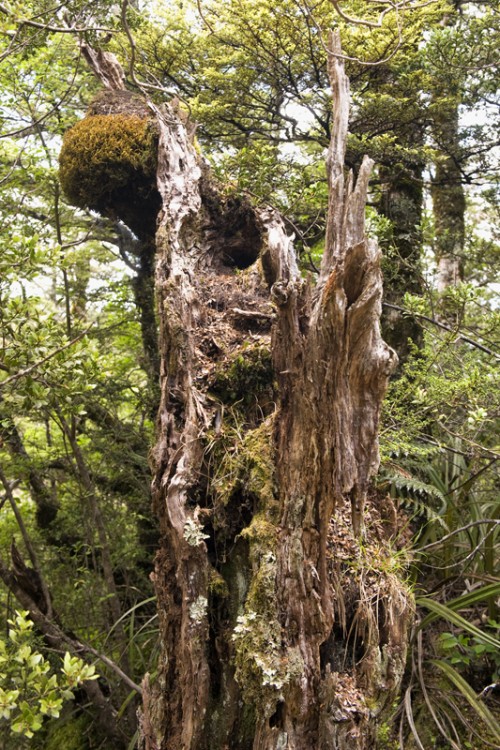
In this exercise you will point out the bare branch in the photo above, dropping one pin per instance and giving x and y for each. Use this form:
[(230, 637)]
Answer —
[(363, 21), (57, 637), (131, 41), (438, 323), (48, 27), (472, 524), (105, 66), (203, 18), (388, 7), (341, 56)]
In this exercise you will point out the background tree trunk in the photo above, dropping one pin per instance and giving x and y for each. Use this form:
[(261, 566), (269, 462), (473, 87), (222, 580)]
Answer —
[(448, 199), (447, 190), (275, 632), (402, 199)]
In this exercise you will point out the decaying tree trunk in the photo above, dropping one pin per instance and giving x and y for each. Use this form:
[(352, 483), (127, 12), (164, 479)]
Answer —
[(278, 627)]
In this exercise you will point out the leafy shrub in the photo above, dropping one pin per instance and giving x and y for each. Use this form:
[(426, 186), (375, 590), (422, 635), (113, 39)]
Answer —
[(30, 690)]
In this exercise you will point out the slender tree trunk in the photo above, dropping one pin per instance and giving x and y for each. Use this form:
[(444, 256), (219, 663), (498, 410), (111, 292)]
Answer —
[(448, 198), (277, 629), (43, 497), (402, 203)]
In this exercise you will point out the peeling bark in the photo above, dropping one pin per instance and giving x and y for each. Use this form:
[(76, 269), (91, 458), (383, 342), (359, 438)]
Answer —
[(105, 67)]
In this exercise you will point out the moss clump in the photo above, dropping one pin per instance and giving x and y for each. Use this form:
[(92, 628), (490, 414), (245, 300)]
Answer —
[(70, 733), (217, 586), (108, 164), (247, 469), (247, 380)]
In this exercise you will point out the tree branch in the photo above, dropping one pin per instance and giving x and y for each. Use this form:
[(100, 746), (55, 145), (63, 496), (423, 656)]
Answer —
[(48, 27), (27, 541), (480, 522), (437, 323)]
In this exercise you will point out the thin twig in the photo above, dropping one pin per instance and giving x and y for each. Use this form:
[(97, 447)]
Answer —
[(131, 42), (36, 123), (477, 446), (252, 314), (113, 666), (473, 477), (444, 327), (488, 689), (390, 6), (56, 29), (459, 531), (202, 16), (341, 56)]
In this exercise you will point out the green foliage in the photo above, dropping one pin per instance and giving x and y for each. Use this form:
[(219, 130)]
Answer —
[(30, 688), (461, 651), (468, 693), (71, 367), (450, 614), (384, 739)]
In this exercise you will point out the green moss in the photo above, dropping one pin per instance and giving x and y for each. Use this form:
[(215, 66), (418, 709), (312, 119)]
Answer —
[(68, 733), (260, 669), (247, 467), (108, 164), (260, 531), (257, 638), (258, 459), (245, 475), (217, 586), (247, 379)]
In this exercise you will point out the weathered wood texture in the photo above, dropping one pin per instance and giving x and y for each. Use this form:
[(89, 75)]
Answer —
[(275, 631)]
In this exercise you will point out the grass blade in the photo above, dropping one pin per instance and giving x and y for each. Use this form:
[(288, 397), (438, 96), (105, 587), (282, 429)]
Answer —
[(469, 695), (440, 610)]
